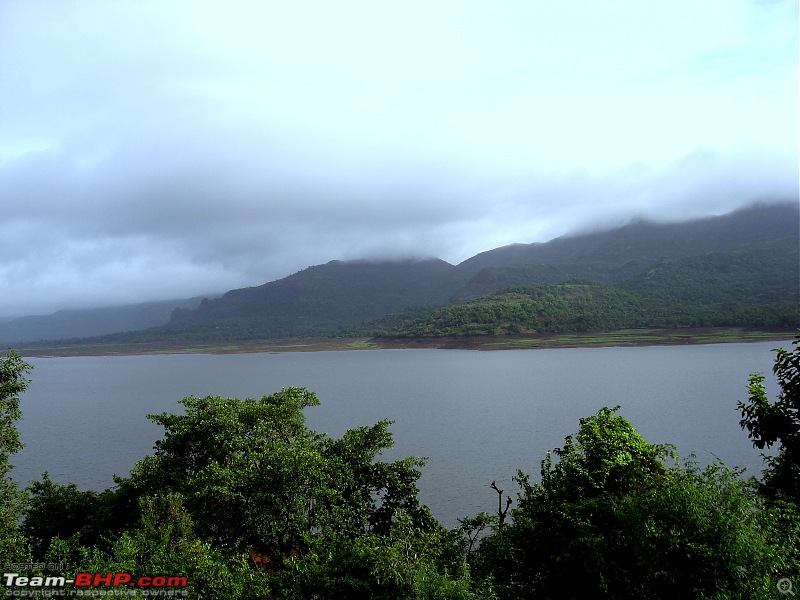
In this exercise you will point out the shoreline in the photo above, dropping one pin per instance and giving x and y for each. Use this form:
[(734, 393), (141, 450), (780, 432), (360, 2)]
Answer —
[(625, 337)]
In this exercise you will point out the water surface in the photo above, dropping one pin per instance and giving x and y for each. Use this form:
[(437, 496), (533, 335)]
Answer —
[(477, 416)]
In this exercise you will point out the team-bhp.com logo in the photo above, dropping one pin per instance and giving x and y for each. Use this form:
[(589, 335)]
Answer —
[(89, 584)]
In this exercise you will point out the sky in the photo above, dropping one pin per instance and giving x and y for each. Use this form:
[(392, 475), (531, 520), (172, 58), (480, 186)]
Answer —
[(154, 150)]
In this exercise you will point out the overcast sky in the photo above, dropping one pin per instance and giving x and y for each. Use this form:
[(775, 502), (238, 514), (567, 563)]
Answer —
[(163, 149)]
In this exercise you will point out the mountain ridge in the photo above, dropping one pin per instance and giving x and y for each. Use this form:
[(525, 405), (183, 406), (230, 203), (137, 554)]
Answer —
[(612, 254), (310, 298), (339, 297), (84, 322)]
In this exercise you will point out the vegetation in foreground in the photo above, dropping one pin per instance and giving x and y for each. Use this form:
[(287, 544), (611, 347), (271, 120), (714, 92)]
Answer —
[(243, 500)]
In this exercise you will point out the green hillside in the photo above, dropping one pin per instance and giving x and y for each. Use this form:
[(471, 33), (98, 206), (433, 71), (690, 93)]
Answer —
[(739, 269), (320, 301), (532, 309), (735, 269), (616, 255), (746, 288)]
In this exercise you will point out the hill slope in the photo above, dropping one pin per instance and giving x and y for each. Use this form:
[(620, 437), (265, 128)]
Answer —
[(618, 254), (736, 268), (741, 268), (77, 323), (318, 301), (747, 288)]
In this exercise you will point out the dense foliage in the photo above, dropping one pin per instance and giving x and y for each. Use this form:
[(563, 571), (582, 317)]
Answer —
[(614, 510), (769, 423), (242, 499), (754, 288), (12, 384), (535, 309)]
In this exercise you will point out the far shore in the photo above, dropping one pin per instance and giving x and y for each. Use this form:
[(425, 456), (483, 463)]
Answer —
[(627, 337)]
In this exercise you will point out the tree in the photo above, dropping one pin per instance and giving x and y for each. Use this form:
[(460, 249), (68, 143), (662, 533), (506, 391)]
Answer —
[(616, 517), (405, 563), (164, 541), (243, 499), (54, 510), (777, 423), (12, 384), (253, 477)]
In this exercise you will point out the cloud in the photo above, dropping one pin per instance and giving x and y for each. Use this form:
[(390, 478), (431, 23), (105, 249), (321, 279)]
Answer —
[(154, 150)]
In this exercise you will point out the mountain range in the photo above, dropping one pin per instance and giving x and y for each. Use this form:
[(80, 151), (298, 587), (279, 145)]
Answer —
[(717, 265), (84, 322)]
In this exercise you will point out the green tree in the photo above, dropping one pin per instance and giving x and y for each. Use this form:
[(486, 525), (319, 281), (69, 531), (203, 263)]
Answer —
[(405, 563), (254, 477), (242, 498), (61, 511), (12, 384), (777, 423), (616, 517), (163, 542), (84, 518)]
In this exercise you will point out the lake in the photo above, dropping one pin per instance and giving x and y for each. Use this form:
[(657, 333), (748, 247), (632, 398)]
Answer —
[(477, 416)]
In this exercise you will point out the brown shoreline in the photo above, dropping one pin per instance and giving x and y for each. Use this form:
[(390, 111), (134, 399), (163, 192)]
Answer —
[(630, 337)]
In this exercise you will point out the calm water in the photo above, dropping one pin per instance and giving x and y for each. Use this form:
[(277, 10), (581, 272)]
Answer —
[(477, 416)]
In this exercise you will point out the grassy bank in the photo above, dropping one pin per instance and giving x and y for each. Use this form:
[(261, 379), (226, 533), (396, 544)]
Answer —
[(625, 337)]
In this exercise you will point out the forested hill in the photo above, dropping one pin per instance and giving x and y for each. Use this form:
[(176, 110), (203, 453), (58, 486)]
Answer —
[(321, 300), (643, 241), (618, 254), (740, 268), (735, 269), (749, 288)]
